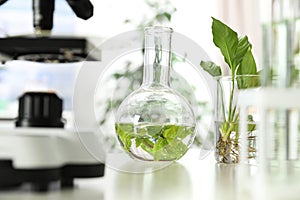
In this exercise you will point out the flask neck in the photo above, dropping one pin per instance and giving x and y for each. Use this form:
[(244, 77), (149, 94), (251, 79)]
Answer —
[(157, 56)]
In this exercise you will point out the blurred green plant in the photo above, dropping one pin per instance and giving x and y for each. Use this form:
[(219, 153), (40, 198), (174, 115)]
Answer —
[(161, 13)]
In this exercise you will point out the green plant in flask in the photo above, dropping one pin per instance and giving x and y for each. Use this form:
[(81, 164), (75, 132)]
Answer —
[(155, 122)]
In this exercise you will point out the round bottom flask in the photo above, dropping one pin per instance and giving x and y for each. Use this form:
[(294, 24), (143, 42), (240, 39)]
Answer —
[(155, 123)]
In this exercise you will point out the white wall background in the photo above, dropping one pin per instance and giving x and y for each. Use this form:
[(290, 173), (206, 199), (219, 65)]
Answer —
[(192, 18)]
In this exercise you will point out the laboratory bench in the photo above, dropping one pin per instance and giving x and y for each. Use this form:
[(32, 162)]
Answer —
[(191, 177)]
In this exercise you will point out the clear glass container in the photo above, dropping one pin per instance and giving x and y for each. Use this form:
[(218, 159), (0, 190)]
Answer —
[(281, 48), (227, 118), (281, 44), (155, 123)]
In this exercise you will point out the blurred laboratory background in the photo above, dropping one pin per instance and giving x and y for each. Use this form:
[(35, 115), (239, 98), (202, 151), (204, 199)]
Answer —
[(111, 18)]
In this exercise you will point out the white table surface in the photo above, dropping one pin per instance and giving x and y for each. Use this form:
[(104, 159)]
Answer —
[(188, 179)]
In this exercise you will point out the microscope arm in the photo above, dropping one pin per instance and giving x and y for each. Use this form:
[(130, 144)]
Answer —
[(82, 8)]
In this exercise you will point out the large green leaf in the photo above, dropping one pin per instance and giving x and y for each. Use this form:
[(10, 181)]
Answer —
[(243, 46), (211, 68), (227, 41), (248, 65)]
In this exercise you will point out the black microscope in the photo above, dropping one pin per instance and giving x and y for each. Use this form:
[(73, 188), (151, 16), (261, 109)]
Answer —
[(39, 151), (41, 46)]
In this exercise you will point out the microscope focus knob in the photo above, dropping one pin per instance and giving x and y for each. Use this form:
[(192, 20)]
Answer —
[(40, 109)]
